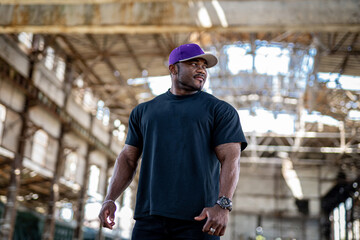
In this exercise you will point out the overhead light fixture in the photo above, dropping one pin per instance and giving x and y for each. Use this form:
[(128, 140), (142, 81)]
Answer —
[(204, 16), (220, 13)]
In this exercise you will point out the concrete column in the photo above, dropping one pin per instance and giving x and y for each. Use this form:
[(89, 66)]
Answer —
[(100, 235), (49, 225), (7, 223), (321, 212), (78, 234)]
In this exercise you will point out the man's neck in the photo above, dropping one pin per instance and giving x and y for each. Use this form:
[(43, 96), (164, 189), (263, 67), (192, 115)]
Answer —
[(181, 92)]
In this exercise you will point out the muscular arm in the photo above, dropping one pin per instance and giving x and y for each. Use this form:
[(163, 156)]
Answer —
[(229, 157), (124, 172)]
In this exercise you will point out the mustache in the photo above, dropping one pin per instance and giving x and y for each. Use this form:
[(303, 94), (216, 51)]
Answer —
[(200, 75)]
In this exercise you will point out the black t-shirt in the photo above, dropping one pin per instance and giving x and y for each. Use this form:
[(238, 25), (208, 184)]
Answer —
[(179, 173)]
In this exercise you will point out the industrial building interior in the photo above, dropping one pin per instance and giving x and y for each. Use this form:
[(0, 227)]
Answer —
[(72, 71)]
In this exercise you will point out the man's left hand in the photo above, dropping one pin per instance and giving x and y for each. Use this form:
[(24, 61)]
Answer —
[(217, 218)]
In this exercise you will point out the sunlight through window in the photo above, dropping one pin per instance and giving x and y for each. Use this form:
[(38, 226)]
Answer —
[(126, 215), (70, 166), (119, 130), (50, 58), (40, 143), (334, 80), (103, 113), (60, 69), (239, 58), (272, 60), (94, 179), (26, 39)]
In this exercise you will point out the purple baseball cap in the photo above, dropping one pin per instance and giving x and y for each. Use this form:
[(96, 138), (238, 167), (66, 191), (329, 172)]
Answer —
[(190, 51)]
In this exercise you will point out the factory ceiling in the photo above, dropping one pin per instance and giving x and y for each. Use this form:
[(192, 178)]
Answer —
[(111, 41)]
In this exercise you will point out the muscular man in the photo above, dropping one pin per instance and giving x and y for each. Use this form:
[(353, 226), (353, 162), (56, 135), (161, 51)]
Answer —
[(190, 143)]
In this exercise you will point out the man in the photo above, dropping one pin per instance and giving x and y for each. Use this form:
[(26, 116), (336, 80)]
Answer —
[(185, 136)]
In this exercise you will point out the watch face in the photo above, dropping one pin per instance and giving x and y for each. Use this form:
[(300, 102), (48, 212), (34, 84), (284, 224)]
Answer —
[(225, 201)]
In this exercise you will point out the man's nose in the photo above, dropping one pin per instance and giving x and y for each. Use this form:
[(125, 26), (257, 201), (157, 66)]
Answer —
[(201, 69)]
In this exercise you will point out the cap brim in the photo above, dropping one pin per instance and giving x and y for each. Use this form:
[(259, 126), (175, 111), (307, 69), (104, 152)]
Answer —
[(210, 59)]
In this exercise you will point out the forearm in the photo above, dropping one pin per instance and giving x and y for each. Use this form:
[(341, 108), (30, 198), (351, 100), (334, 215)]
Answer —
[(229, 177), (229, 157), (124, 171), (218, 216)]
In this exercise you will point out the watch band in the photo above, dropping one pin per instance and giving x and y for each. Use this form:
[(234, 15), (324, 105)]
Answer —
[(224, 203)]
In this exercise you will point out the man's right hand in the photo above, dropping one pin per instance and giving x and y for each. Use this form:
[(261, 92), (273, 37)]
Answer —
[(107, 214), (124, 171)]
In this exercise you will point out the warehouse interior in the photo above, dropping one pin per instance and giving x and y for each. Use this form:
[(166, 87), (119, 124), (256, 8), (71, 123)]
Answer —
[(72, 71)]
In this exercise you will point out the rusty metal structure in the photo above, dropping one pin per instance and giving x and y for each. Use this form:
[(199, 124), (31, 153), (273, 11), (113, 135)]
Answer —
[(96, 46)]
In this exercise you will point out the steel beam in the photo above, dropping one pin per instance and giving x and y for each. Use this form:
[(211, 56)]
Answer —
[(152, 29), (72, 2), (325, 150), (279, 161), (305, 135), (108, 62), (78, 56), (132, 53), (151, 17)]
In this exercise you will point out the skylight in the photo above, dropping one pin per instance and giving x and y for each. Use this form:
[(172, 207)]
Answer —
[(346, 82)]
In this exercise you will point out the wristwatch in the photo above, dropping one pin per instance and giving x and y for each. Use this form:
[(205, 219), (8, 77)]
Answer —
[(224, 203)]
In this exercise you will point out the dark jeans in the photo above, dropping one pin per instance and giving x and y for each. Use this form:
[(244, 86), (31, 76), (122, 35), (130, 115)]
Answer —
[(163, 228)]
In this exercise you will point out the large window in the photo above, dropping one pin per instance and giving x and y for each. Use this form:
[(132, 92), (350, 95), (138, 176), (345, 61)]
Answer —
[(356, 230), (94, 179), (55, 63), (60, 69), (2, 121), (103, 113), (26, 39), (66, 211), (345, 222), (70, 166), (50, 58), (40, 144), (272, 60), (88, 101)]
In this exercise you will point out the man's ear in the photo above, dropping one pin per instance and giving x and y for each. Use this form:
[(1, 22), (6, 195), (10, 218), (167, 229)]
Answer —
[(173, 69)]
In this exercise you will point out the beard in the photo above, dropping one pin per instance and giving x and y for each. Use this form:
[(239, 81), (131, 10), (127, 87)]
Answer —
[(191, 87)]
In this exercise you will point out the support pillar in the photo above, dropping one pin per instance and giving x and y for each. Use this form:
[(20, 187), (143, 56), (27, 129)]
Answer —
[(78, 234), (106, 185), (49, 226), (7, 223), (321, 212)]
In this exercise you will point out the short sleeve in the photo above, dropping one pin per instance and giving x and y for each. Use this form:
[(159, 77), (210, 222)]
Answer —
[(134, 136), (227, 126)]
